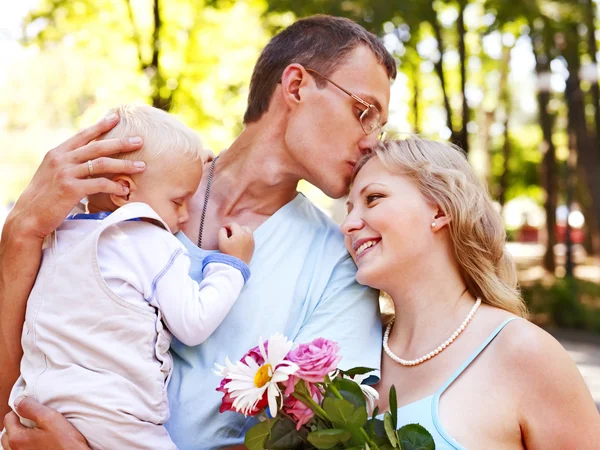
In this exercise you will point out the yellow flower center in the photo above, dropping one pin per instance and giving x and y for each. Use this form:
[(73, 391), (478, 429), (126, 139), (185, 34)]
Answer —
[(263, 375)]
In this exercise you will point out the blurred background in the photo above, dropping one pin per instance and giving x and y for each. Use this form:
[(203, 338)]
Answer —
[(513, 82)]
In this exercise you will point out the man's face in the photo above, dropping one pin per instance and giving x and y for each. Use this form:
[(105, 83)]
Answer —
[(324, 133)]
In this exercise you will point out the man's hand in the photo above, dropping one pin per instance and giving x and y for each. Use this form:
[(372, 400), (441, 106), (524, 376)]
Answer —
[(61, 181), (63, 177), (53, 431)]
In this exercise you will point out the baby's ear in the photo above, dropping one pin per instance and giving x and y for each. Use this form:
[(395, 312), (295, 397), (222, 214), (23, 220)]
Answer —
[(125, 181)]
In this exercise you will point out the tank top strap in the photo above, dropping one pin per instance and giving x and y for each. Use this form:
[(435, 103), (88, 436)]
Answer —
[(473, 356)]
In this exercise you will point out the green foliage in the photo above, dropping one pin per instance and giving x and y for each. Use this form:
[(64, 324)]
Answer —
[(257, 436), (283, 435), (524, 164), (415, 437), (338, 423), (348, 390), (329, 438), (344, 414), (567, 302)]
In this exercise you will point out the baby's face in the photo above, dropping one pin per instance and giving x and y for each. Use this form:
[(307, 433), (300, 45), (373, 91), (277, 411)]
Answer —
[(167, 188)]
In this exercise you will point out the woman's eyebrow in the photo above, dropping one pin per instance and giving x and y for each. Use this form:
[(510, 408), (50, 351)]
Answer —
[(370, 184)]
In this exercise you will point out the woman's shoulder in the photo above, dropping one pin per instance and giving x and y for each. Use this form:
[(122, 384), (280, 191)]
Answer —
[(537, 366), (529, 345), (547, 386), (521, 343)]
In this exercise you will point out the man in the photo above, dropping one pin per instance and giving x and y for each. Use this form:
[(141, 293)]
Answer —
[(318, 99)]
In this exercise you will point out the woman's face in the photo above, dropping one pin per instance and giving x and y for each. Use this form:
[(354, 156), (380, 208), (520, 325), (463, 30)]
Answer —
[(388, 229)]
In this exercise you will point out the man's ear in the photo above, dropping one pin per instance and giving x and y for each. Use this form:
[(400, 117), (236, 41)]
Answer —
[(293, 78), (125, 181)]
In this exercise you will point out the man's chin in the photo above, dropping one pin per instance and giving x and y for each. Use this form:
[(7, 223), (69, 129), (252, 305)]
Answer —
[(336, 192)]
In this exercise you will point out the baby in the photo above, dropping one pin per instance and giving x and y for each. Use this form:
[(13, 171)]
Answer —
[(94, 340)]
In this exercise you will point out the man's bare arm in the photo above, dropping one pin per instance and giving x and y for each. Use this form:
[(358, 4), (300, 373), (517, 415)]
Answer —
[(60, 182), (20, 256)]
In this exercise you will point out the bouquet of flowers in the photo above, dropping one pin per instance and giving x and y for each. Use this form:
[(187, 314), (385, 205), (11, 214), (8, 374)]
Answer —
[(304, 401)]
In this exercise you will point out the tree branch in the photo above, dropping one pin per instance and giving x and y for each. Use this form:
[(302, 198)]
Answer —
[(136, 36)]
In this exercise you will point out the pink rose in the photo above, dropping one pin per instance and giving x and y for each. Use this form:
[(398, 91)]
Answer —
[(254, 353), (297, 410), (315, 360)]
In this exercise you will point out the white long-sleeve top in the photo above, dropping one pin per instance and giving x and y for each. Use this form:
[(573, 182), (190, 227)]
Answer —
[(95, 347)]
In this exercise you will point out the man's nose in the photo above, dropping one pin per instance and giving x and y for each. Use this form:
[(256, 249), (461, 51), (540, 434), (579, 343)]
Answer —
[(368, 143)]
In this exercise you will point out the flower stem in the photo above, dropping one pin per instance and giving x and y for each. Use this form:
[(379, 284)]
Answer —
[(372, 444), (308, 401)]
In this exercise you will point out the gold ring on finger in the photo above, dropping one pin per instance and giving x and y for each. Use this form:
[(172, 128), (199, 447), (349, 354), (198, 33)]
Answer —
[(90, 167)]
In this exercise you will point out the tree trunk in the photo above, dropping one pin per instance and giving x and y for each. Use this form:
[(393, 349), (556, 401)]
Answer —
[(463, 136), (549, 166), (439, 68), (592, 50), (595, 91), (152, 69), (504, 94), (416, 95), (587, 158), (157, 79)]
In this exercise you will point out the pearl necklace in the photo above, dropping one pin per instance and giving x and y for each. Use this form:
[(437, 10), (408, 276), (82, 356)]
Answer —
[(450, 340)]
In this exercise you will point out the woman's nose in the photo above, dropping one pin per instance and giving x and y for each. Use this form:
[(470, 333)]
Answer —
[(351, 224)]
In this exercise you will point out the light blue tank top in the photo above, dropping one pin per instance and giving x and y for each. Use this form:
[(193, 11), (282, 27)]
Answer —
[(426, 410)]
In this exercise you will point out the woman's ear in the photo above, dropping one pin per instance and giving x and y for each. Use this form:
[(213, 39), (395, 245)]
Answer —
[(125, 181), (440, 220)]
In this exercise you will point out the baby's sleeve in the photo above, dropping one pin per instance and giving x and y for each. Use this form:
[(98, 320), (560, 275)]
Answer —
[(192, 311)]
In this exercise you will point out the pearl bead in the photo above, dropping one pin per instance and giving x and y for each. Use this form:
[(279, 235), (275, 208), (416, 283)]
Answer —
[(433, 353)]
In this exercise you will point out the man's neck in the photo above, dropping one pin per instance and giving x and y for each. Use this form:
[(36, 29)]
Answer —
[(256, 173)]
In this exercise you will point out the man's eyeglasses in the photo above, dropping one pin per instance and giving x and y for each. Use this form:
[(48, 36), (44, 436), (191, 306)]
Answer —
[(370, 118)]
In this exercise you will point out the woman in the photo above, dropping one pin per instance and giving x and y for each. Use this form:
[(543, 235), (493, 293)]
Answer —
[(465, 363)]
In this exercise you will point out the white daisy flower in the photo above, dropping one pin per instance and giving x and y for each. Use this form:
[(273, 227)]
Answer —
[(370, 394), (249, 380)]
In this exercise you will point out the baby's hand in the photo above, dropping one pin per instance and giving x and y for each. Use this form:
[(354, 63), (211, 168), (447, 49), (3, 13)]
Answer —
[(236, 240)]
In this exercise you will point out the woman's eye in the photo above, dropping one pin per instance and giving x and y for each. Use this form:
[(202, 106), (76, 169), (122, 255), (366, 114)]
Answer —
[(372, 197), (359, 112), (177, 202)]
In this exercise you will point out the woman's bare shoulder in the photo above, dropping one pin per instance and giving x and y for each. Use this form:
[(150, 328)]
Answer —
[(548, 387)]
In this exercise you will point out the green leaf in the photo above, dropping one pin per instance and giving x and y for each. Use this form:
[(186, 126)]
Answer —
[(357, 371), (349, 390), (378, 428), (371, 429), (394, 407), (325, 439), (284, 436), (415, 437), (390, 431), (257, 436), (344, 414)]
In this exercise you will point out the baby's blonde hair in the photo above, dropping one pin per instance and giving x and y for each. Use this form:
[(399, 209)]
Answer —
[(163, 135), (445, 178)]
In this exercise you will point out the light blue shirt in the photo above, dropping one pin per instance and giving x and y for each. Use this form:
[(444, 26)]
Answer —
[(302, 285)]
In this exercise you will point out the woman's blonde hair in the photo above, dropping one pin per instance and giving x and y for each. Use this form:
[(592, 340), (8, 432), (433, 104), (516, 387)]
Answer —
[(163, 135), (445, 178)]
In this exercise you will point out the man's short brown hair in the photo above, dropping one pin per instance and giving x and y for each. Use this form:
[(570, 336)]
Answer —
[(319, 42)]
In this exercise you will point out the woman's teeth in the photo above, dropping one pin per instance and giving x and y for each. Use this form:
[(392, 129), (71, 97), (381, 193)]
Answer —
[(365, 246)]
